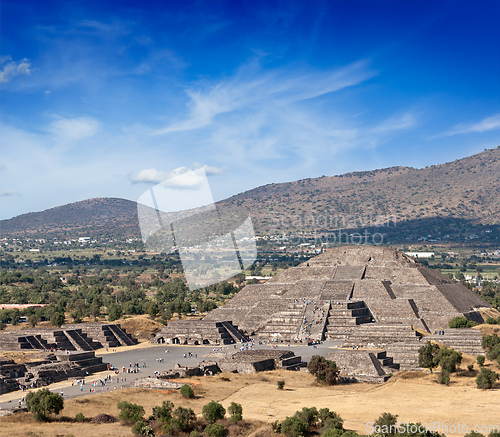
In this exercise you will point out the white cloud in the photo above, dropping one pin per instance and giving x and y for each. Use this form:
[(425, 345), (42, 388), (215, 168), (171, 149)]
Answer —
[(14, 68), (151, 175), (395, 123), (487, 124), (9, 192), (67, 130), (251, 88)]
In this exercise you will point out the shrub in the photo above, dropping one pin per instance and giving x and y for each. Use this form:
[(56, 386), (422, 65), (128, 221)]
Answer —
[(213, 411), (491, 321), (281, 385), (194, 434), (474, 434), (187, 391), (142, 428), (486, 378), (494, 433), (324, 370), (490, 341), (184, 419), (57, 319), (330, 420), (494, 352), (294, 427), (332, 432), (163, 413), (235, 408), (130, 412), (458, 322), (444, 377), (308, 415), (480, 360), (235, 418), (385, 425), (80, 417), (449, 359), (43, 402), (428, 356), (215, 430), (470, 367)]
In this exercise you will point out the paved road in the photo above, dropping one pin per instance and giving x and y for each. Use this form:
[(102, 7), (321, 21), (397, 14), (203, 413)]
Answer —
[(149, 356)]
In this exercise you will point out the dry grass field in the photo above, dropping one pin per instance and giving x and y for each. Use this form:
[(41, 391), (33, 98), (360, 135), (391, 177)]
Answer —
[(414, 396)]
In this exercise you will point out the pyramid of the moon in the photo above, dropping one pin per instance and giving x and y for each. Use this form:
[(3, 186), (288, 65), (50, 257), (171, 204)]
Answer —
[(356, 294)]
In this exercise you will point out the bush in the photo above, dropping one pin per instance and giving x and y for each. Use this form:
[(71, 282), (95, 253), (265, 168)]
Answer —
[(428, 356), (183, 420), (385, 425), (130, 412), (194, 434), (215, 430), (494, 352), (80, 417), (294, 427), (449, 359), (480, 360), (332, 432), (235, 408), (308, 415), (444, 377), (330, 420), (43, 402), (470, 367), (142, 428), (163, 413), (494, 433), (187, 391), (281, 385), (491, 321), (474, 434), (461, 322), (57, 319), (235, 418), (213, 411), (486, 378), (324, 370), (490, 341)]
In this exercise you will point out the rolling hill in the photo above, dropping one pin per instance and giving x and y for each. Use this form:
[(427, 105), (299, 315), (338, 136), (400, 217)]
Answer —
[(460, 197)]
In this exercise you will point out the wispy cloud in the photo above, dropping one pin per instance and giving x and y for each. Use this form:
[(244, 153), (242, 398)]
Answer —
[(151, 175), (68, 130), (8, 193), (485, 125), (14, 68), (251, 88)]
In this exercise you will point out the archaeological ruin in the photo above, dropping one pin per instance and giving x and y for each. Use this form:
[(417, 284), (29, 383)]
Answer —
[(360, 296)]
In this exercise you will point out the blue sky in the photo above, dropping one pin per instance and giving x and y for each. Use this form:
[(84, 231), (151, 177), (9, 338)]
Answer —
[(108, 98)]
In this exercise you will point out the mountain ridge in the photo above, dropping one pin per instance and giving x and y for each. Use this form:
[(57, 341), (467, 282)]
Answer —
[(467, 189)]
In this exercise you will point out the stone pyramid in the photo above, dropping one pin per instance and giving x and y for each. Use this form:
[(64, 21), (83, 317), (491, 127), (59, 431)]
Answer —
[(360, 295)]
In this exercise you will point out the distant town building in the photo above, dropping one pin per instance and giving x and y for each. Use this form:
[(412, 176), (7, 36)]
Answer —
[(420, 254)]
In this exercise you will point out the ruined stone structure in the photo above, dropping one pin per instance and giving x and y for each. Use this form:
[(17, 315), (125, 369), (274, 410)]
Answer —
[(372, 297), (363, 366), (260, 360), (55, 367), (360, 295), (76, 337), (199, 332)]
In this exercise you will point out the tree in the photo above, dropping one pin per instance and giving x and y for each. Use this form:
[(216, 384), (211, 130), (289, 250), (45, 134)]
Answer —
[(163, 413), (235, 408), (486, 378), (215, 430), (43, 402), (490, 341), (114, 312), (33, 320), (213, 411), (152, 310), (385, 425), (142, 428), (130, 412), (461, 322), (324, 370), (294, 427), (480, 360), (308, 415), (57, 319), (187, 391), (183, 419), (428, 356), (330, 419)]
